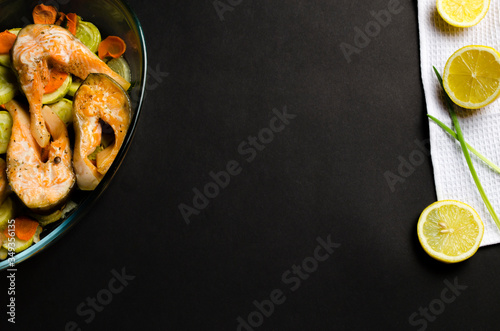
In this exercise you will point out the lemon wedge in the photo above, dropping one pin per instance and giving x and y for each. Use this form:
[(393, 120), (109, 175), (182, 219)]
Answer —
[(471, 76), (462, 13), (450, 231)]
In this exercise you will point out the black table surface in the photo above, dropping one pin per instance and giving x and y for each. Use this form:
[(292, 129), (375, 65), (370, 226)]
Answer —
[(275, 182)]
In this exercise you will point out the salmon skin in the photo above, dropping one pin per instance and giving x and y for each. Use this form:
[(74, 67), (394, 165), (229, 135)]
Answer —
[(99, 98), (40, 46)]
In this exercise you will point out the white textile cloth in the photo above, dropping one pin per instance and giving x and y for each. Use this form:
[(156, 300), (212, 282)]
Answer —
[(481, 128)]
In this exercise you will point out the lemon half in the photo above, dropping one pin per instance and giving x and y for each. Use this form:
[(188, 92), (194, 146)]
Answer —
[(463, 13), (450, 231), (471, 76)]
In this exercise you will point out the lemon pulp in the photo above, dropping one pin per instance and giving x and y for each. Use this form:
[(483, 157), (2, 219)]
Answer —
[(471, 76), (463, 13), (450, 231)]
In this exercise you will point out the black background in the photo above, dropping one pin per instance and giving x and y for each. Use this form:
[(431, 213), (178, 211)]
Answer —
[(323, 175)]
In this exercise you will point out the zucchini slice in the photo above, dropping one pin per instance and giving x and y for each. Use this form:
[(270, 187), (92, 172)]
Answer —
[(121, 67), (64, 109), (89, 35), (75, 84), (45, 220), (5, 58), (6, 213), (8, 83), (15, 31), (19, 245), (5, 132), (59, 93)]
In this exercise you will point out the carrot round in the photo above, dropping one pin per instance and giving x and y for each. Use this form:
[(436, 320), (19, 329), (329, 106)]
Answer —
[(60, 18), (72, 22), (112, 46), (25, 227), (56, 79), (44, 14), (7, 40)]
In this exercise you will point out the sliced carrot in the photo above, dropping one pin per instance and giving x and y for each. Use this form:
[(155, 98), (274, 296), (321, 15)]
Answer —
[(60, 18), (72, 22), (7, 40), (44, 14), (25, 227), (3, 107), (111, 46), (56, 79)]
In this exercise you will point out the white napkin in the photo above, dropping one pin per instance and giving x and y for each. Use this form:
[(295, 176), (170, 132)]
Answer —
[(481, 128)]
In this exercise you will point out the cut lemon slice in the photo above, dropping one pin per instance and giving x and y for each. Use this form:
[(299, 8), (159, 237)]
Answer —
[(471, 76), (450, 231), (462, 13)]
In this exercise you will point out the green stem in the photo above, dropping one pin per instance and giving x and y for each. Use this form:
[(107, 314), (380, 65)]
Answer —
[(469, 147), (466, 153)]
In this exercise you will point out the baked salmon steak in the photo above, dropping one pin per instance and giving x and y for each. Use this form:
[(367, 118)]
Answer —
[(38, 48), (99, 99), (42, 181)]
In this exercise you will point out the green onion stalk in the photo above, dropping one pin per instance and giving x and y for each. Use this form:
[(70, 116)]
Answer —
[(463, 144)]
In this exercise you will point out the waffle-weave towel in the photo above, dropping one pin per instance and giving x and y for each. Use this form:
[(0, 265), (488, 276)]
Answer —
[(481, 128)]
